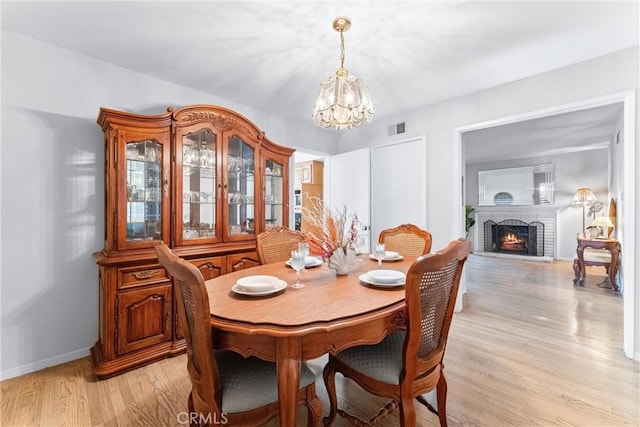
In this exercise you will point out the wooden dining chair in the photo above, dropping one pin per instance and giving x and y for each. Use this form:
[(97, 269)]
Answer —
[(226, 387), (408, 362), (276, 244), (406, 239)]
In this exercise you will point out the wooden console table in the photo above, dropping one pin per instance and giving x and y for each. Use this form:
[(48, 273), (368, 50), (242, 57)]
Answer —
[(612, 267)]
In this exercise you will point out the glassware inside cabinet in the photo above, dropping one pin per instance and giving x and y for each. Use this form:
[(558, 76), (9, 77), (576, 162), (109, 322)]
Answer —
[(240, 187), (273, 194), (198, 184), (144, 190)]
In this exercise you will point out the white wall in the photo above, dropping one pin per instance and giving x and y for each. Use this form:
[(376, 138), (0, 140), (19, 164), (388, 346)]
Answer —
[(52, 190), (571, 171), (616, 168)]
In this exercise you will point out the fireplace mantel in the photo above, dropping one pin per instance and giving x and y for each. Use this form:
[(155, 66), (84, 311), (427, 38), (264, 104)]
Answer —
[(518, 209)]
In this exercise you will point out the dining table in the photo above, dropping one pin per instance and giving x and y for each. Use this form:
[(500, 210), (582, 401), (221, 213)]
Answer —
[(288, 326)]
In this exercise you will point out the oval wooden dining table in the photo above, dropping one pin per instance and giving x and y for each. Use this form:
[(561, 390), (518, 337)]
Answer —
[(329, 314)]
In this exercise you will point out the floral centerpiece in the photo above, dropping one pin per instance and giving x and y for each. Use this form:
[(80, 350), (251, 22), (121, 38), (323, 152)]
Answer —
[(328, 237)]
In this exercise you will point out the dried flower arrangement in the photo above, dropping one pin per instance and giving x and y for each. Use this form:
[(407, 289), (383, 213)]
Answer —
[(326, 229)]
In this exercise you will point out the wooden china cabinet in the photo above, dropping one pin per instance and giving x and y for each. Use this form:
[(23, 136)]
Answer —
[(203, 179)]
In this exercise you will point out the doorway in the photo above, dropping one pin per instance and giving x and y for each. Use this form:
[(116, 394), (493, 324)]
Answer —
[(308, 184), (399, 185), (628, 219)]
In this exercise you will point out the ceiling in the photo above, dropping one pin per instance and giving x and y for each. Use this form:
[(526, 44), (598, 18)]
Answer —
[(272, 55), (590, 129)]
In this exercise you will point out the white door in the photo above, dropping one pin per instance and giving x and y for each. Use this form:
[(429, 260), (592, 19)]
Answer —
[(398, 187), (347, 181)]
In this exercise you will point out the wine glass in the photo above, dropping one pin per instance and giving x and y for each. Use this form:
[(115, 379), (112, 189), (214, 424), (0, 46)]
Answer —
[(360, 242), (379, 253), (297, 263), (304, 248)]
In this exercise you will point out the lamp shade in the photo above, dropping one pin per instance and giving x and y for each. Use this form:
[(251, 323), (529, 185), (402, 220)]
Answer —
[(583, 195), (602, 222)]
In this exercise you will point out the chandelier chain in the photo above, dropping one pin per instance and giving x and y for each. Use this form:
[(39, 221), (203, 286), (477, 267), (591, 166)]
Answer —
[(341, 49)]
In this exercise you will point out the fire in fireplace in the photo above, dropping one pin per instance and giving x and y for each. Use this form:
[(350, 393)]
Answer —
[(512, 239), (512, 242), (513, 236)]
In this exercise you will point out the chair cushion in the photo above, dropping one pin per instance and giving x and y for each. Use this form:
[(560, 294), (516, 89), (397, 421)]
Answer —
[(382, 361), (250, 383), (602, 256)]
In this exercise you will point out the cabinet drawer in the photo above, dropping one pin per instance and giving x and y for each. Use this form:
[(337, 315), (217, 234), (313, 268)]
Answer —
[(242, 261), (211, 267), (131, 277)]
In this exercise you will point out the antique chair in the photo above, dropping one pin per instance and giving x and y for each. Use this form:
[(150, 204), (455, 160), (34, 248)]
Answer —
[(406, 239), (408, 363), (226, 387), (276, 244)]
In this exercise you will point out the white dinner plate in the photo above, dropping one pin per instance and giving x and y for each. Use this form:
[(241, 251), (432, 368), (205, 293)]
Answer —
[(389, 256), (386, 276), (365, 278), (309, 262), (239, 289), (258, 283)]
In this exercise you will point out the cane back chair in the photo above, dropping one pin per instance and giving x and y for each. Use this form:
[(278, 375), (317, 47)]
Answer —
[(226, 387), (408, 362), (276, 244), (406, 239)]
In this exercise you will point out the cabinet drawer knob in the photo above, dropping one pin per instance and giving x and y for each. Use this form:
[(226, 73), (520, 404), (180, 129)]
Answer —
[(207, 265)]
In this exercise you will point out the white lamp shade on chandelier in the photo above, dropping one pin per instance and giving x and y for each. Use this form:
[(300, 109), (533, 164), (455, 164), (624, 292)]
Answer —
[(343, 101)]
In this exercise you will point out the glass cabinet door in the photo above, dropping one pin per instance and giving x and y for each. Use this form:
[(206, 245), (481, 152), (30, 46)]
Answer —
[(196, 188), (146, 192), (274, 194), (239, 189)]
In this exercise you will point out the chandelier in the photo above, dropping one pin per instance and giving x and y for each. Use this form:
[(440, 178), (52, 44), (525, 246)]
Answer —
[(343, 101)]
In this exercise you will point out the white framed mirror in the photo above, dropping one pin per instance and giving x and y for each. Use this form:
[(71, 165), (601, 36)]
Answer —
[(522, 186)]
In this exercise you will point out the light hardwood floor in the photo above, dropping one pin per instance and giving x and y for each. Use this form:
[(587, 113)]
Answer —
[(529, 349)]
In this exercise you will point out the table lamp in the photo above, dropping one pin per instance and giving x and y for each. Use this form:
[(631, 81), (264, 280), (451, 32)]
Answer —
[(582, 197), (603, 223)]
